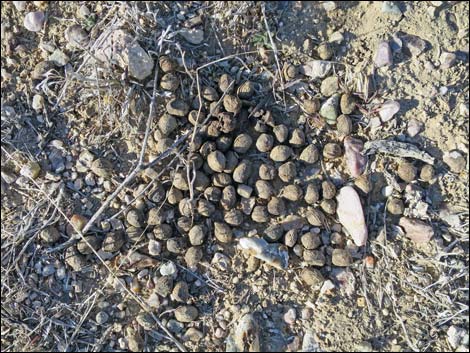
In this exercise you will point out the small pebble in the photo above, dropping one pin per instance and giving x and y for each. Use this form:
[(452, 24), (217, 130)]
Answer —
[(416, 230), (168, 269), (101, 318), (447, 60), (34, 21), (383, 56), (290, 316), (388, 110), (456, 161), (414, 127)]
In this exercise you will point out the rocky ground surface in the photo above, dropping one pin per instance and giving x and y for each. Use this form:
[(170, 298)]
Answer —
[(276, 176)]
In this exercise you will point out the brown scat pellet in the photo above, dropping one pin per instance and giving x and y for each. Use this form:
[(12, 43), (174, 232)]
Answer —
[(407, 171)]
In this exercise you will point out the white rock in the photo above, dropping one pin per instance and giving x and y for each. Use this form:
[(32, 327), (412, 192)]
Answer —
[(447, 60), (383, 56), (388, 110), (33, 21), (38, 102), (414, 127), (168, 269), (274, 254), (155, 247), (193, 36), (327, 287), (337, 37), (101, 318), (317, 68), (290, 316), (455, 335), (309, 344), (351, 215), (153, 301), (221, 261)]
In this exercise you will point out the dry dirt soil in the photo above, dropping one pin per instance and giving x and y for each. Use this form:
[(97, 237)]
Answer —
[(88, 134)]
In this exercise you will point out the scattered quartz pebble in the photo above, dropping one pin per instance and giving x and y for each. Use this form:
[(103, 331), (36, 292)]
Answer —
[(456, 161), (48, 270), (351, 215), (456, 336), (414, 127), (316, 69), (155, 247), (101, 318), (168, 269), (416, 230), (355, 160), (383, 56), (327, 287), (447, 60), (309, 343), (38, 102), (290, 316), (33, 21), (388, 110), (415, 45), (275, 255)]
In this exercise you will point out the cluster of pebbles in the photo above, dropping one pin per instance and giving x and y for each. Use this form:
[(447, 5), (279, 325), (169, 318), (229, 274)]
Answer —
[(248, 179)]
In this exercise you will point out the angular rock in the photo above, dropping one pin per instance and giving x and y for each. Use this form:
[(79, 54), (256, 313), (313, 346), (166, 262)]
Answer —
[(383, 56), (355, 160), (388, 110), (447, 60), (316, 69), (139, 62), (351, 215), (416, 230), (275, 254), (415, 44), (120, 47), (329, 110)]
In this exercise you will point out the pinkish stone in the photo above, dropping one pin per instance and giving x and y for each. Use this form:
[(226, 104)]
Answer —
[(388, 110), (414, 127), (383, 57), (355, 161), (416, 230), (351, 215)]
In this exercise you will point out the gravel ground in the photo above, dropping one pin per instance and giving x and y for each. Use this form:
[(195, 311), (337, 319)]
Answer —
[(234, 176)]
